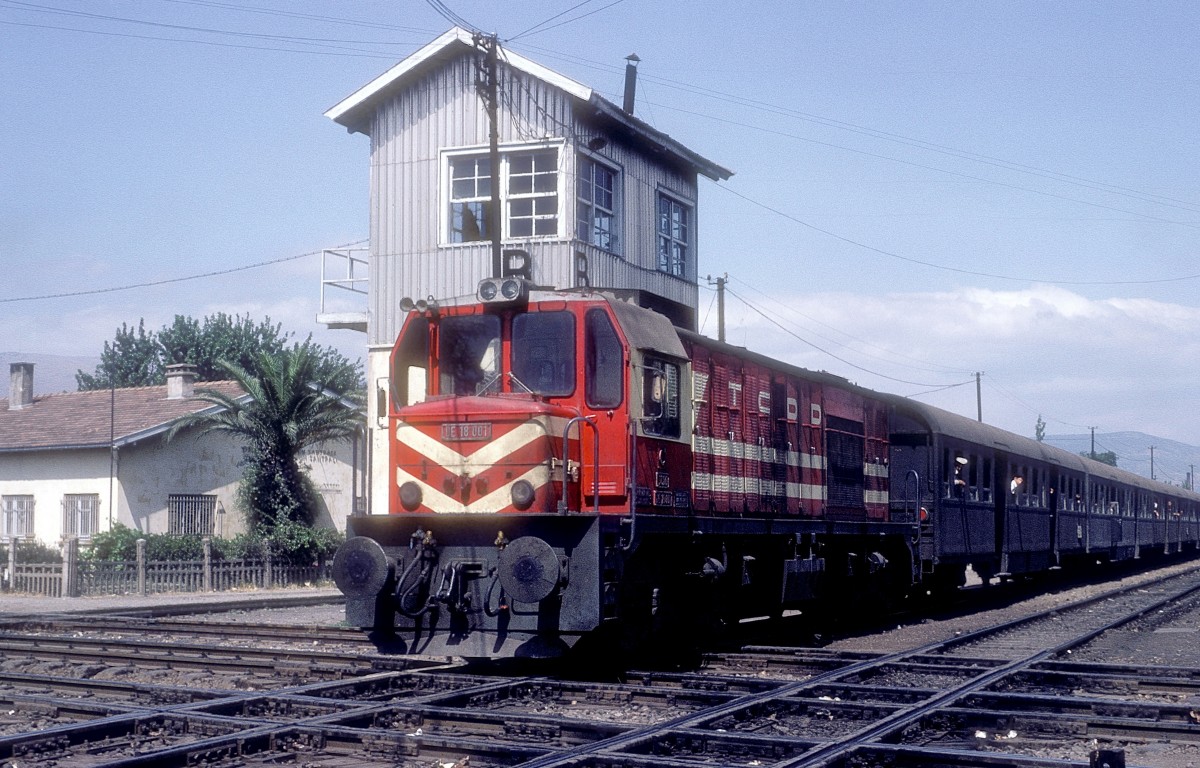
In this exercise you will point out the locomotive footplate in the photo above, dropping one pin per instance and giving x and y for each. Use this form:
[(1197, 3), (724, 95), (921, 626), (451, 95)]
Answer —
[(459, 584)]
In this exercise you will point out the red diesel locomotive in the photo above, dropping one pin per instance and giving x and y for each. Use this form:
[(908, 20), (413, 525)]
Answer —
[(569, 465)]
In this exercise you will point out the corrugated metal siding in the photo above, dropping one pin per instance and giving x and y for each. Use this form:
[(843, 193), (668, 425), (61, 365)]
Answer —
[(440, 111)]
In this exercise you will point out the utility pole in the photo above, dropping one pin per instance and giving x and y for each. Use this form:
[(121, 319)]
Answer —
[(720, 281), (1092, 455), (487, 85), (979, 396), (1152, 462)]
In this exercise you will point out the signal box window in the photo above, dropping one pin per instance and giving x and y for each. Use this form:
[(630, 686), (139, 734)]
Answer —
[(529, 196), (469, 354), (605, 369), (674, 236), (660, 398), (596, 220), (543, 352)]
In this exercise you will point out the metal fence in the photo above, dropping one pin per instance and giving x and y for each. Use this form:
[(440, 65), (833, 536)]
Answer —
[(76, 576)]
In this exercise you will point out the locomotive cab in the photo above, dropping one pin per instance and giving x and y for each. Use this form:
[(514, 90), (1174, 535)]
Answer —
[(509, 452)]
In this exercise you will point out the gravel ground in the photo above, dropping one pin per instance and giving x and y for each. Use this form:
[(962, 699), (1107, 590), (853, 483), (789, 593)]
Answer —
[(905, 637), (37, 605)]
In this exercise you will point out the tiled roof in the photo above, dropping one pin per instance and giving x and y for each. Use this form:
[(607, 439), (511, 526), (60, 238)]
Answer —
[(91, 419)]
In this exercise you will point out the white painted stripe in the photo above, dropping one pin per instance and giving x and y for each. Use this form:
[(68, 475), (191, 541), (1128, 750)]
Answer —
[(498, 499), (875, 497), (704, 481), (875, 470), (487, 455), (716, 446)]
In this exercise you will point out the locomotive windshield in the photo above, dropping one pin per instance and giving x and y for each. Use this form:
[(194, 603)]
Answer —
[(469, 354), (543, 352)]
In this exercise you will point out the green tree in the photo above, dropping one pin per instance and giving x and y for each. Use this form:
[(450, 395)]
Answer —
[(1039, 429), (294, 402), (131, 359), (140, 358), (1107, 457)]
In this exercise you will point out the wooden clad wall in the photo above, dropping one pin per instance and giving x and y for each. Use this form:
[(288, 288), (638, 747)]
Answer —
[(440, 111)]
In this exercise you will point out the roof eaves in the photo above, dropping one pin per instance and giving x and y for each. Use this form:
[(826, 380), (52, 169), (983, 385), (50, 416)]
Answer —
[(347, 112), (703, 165), (158, 429)]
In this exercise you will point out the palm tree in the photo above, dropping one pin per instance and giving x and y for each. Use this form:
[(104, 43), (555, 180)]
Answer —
[(294, 402)]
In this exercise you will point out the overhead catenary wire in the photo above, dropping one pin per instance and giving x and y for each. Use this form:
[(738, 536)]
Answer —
[(170, 280)]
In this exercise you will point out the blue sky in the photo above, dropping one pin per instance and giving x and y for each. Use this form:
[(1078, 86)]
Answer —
[(923, 190)]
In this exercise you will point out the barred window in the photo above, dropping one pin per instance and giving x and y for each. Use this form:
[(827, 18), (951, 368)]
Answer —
[(81, 515), (16, 517), (191, 514)]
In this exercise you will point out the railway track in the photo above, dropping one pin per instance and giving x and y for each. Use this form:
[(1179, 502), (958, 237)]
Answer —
[(1011, 694)]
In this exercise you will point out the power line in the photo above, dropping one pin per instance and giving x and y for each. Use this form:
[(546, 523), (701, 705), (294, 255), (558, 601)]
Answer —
[(798, 337), (170, 280), (567, 21), (933, 265)]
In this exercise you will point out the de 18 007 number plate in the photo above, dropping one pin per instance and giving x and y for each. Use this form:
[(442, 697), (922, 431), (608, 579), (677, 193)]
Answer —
[(466, 430)]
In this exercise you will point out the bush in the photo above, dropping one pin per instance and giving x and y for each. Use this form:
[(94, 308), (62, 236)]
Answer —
[(300, 544), (32, 552), (290, 541)]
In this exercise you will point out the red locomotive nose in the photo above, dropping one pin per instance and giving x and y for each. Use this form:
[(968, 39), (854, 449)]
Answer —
[(480, 455)]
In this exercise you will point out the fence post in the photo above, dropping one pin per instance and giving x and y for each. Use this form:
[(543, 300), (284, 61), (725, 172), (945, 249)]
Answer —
[(11, 583), (208, 579), (141, 566), (70, 572), (268, 565)]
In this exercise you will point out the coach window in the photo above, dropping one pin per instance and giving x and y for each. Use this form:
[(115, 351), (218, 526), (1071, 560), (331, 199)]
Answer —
[(604, 365), (468, 354), (410, 363), (543, 352), (660, 397)]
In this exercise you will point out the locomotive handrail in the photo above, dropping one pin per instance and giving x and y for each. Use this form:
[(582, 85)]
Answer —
[(915, 478), (591, 422)]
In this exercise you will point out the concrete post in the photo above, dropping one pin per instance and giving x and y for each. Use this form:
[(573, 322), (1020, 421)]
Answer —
[(11, 583), (208, 574), (70, 571), (141, 566), (268, 565)]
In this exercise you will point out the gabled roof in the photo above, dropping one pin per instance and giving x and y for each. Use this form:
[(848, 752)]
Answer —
[(354, 112), (74, 420)]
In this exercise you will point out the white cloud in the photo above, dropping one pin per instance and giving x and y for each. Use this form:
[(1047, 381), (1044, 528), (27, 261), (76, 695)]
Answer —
[(1116, 363)]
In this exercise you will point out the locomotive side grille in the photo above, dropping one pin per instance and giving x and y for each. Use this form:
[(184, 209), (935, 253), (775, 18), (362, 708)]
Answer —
[(845, 455)]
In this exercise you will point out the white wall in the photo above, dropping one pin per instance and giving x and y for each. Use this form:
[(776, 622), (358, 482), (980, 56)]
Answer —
[(50, 475), (147, 473)]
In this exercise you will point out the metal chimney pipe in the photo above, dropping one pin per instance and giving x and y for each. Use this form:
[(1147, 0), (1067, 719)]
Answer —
[(631, 62)]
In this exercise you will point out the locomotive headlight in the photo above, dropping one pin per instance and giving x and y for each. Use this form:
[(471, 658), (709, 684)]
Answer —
[(410, 496), (487, 290), (510, 289), (522, 494)]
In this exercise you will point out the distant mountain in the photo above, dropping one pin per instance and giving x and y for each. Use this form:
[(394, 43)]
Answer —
[(51, 373), (1173, 461)]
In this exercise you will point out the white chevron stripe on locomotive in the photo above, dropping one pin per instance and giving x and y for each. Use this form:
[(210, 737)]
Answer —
[(487, 455), (498, 499)]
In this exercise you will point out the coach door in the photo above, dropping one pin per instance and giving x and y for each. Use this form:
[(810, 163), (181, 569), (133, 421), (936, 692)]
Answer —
[(1001, 493)]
